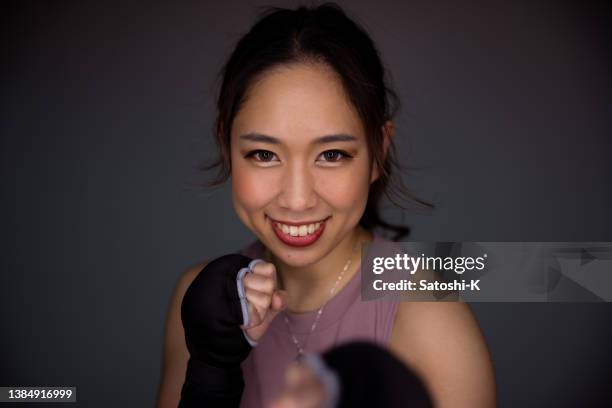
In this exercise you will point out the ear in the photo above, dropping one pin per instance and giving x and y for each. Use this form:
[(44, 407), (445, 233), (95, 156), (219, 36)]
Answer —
[(388, 130)]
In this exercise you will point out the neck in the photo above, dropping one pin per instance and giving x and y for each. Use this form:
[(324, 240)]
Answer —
[(308, 287)]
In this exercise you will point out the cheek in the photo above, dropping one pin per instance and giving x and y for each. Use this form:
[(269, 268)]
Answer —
[(345, 191), (250, 191)]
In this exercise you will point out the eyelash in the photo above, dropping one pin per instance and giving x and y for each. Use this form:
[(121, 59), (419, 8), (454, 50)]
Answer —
[(345, 155)]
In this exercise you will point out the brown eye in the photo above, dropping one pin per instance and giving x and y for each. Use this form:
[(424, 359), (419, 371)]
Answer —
[(263, 155), (335, 155)]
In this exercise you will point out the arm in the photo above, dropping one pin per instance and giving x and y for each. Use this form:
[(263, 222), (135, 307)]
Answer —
[(443, 343), (205, 339), (213, 313), (175, 354)]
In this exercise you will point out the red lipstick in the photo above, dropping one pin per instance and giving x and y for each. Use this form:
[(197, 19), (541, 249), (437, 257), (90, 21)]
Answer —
[(298, 241)]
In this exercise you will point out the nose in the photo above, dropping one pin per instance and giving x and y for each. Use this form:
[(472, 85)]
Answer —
[(297, 188)]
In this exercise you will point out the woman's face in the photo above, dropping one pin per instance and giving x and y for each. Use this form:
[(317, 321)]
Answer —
[(292, 175)]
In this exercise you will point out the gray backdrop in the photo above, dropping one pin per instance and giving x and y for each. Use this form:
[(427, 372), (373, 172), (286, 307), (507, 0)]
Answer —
[(106, 114)]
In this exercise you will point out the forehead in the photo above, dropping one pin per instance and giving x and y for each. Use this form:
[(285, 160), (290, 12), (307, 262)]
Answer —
[(296, 103)]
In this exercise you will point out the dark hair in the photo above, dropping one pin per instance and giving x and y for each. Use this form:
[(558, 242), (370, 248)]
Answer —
[(324, 34)]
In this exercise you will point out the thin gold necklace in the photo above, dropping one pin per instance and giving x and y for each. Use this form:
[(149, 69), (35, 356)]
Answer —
[(300, 348)]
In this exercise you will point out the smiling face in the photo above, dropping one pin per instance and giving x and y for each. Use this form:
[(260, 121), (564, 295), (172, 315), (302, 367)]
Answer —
[(299, 155)]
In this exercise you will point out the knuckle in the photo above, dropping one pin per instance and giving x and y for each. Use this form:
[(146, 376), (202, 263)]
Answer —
[(267, 300), (261, 283), (246, 280), (269, 286), (258, 298), (264, 268), (251, 294)]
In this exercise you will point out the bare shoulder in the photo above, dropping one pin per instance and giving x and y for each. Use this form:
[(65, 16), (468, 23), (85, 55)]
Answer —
[(175, 354), (442, 342)]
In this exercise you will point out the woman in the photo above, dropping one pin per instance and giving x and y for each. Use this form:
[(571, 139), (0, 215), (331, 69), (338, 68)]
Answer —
[(305, 131)]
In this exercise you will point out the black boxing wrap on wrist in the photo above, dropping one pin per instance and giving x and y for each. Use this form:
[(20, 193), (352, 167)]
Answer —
[(371, 376), (211, 313)]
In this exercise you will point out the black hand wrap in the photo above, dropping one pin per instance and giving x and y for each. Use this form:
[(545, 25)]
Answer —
[(211, 313), (371, 376)]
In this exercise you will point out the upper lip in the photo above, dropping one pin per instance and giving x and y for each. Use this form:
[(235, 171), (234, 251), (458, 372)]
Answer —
[(298, 223)]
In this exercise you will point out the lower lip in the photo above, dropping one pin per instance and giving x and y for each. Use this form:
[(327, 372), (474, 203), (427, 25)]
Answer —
[(298, 241)]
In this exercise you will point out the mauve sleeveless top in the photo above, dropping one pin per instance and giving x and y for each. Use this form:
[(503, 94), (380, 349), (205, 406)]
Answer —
[(345, 317)]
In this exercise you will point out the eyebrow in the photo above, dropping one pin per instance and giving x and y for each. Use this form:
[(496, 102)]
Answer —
[(258, 137)]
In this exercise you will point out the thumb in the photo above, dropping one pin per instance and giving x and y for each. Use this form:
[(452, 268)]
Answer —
[(279, 302)]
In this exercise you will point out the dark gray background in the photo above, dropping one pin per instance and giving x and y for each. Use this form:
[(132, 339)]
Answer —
[(106, 113)]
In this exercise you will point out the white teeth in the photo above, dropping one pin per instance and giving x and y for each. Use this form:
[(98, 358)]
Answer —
[(300, 231)]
